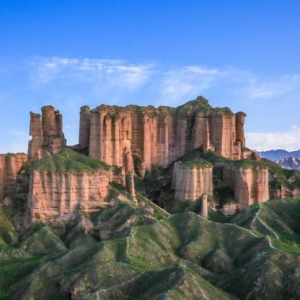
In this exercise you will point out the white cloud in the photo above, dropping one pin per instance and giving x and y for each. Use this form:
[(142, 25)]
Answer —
[(102, 72), (288, 140), (68, 83), (190, 81), (281, 86)]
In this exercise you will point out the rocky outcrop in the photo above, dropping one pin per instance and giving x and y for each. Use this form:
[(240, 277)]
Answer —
[(204, 207), (10, 165), (192, 179), (249, 183), (56, 194), (135, 139), (130, 185), (68, 181), (159, 136), (47, 134)]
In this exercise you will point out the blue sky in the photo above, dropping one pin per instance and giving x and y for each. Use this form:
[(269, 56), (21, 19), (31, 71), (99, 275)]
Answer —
[(69, 53)]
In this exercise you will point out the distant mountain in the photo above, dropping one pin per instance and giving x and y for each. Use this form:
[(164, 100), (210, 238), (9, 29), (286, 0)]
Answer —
[(279, 154), (289, 163)]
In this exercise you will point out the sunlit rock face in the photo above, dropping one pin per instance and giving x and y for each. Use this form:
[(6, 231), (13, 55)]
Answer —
[(47, 133), (135, 136), (192, 179), (56, 194)]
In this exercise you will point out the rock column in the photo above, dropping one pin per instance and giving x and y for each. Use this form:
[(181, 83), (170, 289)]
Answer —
[(130, 185), (84, 128), (204, 208)]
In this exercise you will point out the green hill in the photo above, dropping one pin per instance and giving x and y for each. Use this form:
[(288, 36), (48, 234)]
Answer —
[(138, 252)]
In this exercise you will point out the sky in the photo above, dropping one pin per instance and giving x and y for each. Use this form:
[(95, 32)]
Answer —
[(70, 53)]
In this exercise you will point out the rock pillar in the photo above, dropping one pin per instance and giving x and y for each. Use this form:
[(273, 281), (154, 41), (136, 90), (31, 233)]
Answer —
[(239, 123), (84, 128), (204, 208), (130, 185)]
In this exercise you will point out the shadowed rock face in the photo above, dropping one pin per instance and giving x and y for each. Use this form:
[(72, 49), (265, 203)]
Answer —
[(158, 136), (10, 165), (46, 131), (250, 184)]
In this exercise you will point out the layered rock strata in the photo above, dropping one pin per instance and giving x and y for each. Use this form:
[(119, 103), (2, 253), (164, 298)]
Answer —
[(56, 194), (68, 181), (192, 180), (158, 136), (10, 165), (249, 183), (47, 133)]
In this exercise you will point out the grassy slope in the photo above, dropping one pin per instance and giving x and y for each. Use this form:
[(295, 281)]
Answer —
[(68, 161), (132, 254), (178, 256)]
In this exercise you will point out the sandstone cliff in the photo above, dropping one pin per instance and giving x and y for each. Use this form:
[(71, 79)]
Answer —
[(47, 134), (10, 165), (249, 183), (192, 179), (139, 137), (68, 181)]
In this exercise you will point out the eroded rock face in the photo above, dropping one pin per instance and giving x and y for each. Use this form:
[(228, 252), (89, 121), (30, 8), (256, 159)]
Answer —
[(10, 165), (192, 180), (250, 184), (158, 136), (47, 134), (52, 195)]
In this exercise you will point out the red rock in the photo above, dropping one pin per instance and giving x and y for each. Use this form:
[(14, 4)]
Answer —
[(52, 195), (158, 136), (191, 181), (46, 132), (10, 165), (250, 184)]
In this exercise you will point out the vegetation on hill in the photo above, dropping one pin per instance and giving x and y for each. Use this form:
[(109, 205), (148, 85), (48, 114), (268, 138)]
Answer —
[(68, 161), (138, 250), (125, 252), (199, 105)]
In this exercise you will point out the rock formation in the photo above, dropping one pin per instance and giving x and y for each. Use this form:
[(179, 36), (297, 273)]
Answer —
[(204, 207), (56, 194), (150, 136), (130, 185), (249, 183), (192, 179), (84, 130), (10, 165), (46, 132), (134, 139), (68, 181)]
